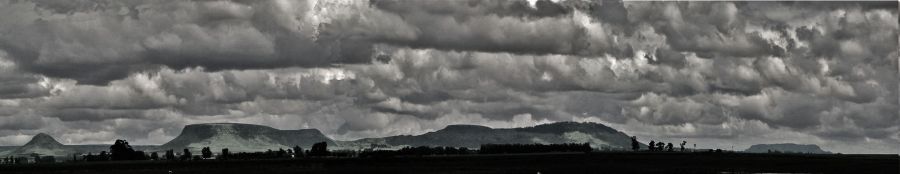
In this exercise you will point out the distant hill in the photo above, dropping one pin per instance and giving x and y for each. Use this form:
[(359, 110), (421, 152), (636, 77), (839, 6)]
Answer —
[(242, 137), (45, 145), (473, 136), (42, 144), (787, 148)]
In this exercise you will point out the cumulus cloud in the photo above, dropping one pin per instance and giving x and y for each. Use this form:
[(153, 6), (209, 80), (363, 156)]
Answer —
[(726, 73), (108, 40), (15, 83)]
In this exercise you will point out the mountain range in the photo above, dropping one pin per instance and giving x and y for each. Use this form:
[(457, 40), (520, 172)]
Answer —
[(247, 137)]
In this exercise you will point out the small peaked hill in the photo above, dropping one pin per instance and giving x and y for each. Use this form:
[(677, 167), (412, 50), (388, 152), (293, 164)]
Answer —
[(473, 136), (242, 137), (43, 140), (42, 144), (786, 148)]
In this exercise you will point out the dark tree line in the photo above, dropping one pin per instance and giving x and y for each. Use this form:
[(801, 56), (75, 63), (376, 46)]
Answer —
[(321, 150), (318, 150), (533, 148), (654, 146), (415, 151), (15, 160), (43, 159), (121, 150), (102, 156), (121, 147), (268, 154), (660, 147)]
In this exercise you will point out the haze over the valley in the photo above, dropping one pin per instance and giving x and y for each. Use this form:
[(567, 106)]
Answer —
[(718, 74)]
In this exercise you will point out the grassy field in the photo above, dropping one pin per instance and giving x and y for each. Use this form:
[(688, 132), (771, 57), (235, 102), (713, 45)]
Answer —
[(517, 163)]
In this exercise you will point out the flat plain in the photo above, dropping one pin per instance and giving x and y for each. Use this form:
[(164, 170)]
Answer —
[(596, 162)]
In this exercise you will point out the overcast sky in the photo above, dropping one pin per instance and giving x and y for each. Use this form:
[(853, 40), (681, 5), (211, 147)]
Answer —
[(718, 74)]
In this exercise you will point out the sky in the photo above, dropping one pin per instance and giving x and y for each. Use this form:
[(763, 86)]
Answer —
[(718, 74)]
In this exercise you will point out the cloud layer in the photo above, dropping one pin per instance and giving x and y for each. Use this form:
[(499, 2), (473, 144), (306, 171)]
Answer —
[(715, 73)]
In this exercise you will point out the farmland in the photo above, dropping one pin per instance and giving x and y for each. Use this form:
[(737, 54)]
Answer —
[(597, 162)]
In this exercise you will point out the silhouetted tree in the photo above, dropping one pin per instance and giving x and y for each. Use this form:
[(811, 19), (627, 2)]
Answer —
[(120, 150), (206, 152), (682, 145), (635, 145), (652, 146), (290, 153), (319, 149), (186, 155), (660, 146), (281, 153), (140, 155), (298, 152), (90, 157), (103, 156), (669, 147), (225, 154), (154, 156), (170, 154), (36, 157)]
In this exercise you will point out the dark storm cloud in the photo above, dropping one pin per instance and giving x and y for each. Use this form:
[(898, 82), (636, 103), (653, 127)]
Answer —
[(739, 72), (15, 83), (21, 85)]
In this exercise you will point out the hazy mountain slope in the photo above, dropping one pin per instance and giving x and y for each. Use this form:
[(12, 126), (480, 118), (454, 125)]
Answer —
[(473, 136), (787, 148), (6, 149), (248, 137), (242, 137)]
